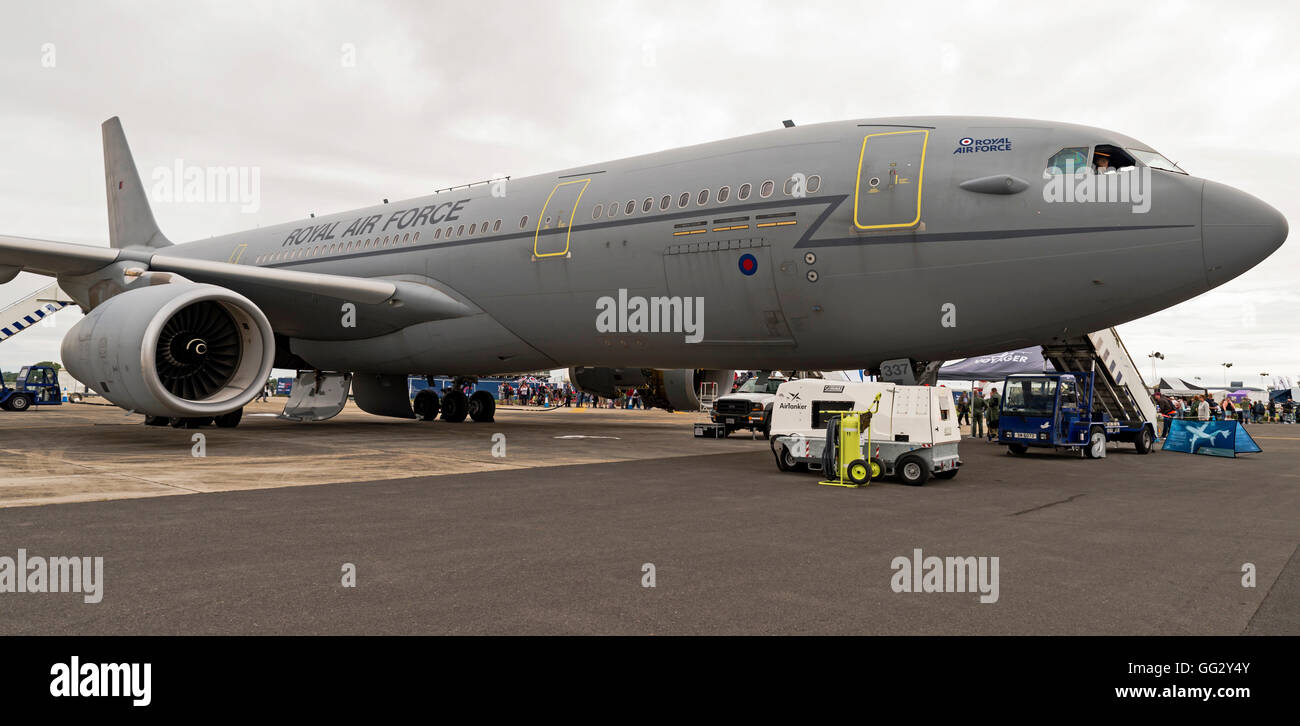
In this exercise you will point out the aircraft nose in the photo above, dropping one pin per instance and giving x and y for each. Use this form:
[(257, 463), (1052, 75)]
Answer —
[(1237, 231)]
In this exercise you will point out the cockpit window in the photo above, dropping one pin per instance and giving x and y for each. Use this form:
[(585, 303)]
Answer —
[(1070, 160), (1156, 161), (1107, 159)]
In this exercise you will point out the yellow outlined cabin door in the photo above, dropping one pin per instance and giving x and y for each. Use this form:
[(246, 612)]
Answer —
[(891, 165), (555, 222)]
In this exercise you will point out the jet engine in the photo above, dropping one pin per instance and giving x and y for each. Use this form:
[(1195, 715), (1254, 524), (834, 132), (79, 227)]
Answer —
[(672, 389), (179, 349)]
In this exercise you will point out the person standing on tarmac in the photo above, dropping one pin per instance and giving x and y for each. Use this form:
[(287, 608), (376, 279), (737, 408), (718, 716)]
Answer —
[(1168, 409), (977, 415), (993, 408)]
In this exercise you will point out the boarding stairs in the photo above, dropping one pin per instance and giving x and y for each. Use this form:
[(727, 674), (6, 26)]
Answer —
[(31, 310), (1119, 390)]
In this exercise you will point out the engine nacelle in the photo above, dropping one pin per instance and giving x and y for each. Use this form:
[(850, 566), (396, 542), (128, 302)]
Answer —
[(673, 389), (178, 349)]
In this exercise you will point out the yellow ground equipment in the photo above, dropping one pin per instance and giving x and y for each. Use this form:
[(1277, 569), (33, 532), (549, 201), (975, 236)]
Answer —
[(843, 456)]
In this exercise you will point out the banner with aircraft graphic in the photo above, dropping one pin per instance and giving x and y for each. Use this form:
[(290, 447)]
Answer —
[(1212, 438)]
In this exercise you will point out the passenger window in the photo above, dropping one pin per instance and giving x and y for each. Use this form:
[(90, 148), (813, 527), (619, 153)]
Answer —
[(743, 194), (437, 233), (666, 202), (496, 227), (684, 199), (523, 221), (595, 213), (1070, 160), (631, 207), (472, 227), (613, 209), (647, 204), (723, 194), (814, 183), (766, 190), (702, 198), (460, 230), (788, 188)]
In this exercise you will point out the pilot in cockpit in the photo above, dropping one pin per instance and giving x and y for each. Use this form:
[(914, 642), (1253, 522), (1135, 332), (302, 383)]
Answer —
[(1101, 163)]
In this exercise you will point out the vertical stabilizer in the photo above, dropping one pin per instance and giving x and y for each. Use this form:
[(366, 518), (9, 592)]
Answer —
[(130, 221)]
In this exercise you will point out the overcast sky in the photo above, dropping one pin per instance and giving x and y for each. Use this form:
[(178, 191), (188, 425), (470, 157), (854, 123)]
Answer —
[(447, 93)]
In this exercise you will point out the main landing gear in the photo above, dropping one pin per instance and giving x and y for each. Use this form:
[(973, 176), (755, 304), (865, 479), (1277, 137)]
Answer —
[(454, 406)]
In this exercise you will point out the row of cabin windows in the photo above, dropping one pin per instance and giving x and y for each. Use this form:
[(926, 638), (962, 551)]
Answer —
[(765, 190)]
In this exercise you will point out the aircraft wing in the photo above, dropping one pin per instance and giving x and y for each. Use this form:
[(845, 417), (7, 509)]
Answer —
[(44, 257)]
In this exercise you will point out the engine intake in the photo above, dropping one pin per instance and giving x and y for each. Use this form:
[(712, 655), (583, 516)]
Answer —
[(177, 349), (672, 389)]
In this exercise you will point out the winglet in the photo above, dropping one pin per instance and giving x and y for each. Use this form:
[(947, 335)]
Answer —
[(130, 221)]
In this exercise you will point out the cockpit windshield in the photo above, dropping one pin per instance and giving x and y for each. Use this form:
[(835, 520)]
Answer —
[(1155, 161), (1030, 397)]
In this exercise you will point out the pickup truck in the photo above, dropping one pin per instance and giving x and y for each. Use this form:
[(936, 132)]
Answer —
[(749, 406)]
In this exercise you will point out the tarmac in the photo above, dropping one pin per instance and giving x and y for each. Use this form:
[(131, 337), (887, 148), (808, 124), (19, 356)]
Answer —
[(562, 534)]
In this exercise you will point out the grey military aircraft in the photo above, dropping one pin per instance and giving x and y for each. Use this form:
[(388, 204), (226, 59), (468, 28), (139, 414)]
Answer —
[(828, 246)]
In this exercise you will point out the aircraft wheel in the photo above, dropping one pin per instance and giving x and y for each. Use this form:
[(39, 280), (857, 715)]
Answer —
[(426, 405), (1096, 447), (229, 420), (482, 407), (455, 406), (1017, 449), (1145, 441), (156, 420), (913, 471)]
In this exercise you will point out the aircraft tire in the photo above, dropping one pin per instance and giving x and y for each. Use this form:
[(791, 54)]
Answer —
[(482, 407), (455, 406), (229, 420), (426, 405), (156, 420)]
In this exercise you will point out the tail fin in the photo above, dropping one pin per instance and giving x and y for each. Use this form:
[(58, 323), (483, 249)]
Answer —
[(130, 221)]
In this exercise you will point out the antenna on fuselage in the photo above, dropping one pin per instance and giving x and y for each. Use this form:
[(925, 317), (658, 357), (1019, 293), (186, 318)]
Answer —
[(789, 124)]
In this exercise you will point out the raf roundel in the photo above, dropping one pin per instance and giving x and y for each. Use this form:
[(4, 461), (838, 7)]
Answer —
[(967, 141), (748, 264)]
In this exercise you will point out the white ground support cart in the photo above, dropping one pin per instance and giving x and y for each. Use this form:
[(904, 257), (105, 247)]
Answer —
[(914, 433)]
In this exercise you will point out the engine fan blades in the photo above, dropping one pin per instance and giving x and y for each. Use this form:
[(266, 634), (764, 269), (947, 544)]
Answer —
[(198, 351)]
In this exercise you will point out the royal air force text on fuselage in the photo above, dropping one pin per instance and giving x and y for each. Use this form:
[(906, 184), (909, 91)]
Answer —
[(399, 220), (970, 145)]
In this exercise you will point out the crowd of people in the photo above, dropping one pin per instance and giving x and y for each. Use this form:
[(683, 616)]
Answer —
[(1204, 407), (531, 391)]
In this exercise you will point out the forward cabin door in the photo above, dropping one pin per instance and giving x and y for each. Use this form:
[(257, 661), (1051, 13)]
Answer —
[(891, 167)]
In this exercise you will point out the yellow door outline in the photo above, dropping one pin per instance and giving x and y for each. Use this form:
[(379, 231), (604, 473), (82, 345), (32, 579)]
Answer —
[(857, 188), (541, 218), (238, 253)]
